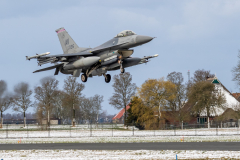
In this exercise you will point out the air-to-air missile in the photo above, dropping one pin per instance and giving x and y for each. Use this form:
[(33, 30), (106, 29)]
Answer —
[(37, 55)]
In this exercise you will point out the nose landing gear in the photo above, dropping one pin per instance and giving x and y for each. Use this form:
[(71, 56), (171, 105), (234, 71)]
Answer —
[(121, 67), (84, 78), (122, 70)]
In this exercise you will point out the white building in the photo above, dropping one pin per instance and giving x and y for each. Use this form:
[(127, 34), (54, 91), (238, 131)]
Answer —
[(231, 100)]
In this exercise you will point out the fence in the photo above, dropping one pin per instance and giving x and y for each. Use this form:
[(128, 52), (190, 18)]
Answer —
[(113, 130)]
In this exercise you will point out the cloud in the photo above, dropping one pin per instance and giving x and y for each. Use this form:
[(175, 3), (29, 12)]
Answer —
[(186, 30), (205, 19)]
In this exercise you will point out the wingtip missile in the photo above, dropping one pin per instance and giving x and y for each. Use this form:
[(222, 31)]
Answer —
[(37, 55), (156, 55)]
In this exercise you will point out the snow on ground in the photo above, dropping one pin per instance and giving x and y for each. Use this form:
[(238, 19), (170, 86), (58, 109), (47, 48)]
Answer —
[(80, 135), (117, 154), (124, 139), (84, 131), (108, 135)]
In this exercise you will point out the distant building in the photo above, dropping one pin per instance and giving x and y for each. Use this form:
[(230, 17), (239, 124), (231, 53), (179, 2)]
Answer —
[(232, 101), (119, 118), (19, 121), (53, 121)]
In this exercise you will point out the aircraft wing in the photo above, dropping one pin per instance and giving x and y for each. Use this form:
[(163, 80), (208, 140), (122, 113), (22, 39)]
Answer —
[(48, 68), (45, 58), (102, 48), (69, 55)]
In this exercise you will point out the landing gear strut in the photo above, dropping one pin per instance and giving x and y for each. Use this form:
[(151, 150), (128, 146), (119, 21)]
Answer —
[(84, 78), (122, 70), (121, 67), (107, 78)]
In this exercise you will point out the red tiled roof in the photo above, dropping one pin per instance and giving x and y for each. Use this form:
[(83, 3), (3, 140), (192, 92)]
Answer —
[(236, 95), (120, 114)]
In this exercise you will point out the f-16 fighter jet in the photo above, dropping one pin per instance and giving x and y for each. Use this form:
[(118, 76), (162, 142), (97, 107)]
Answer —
[(113, 55)]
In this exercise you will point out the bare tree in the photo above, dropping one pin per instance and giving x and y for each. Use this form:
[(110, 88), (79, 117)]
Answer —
[(59, 104), (3, 87), (87, 108), (45, 94), (176, 104), (5, 99), (124, 89), (73, 91), (91, 107), (5, 103), (39, 112), (97, 100), (22, 99), (236, 71), (201, 75)]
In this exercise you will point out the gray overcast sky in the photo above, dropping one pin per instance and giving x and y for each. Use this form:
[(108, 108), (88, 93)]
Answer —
[(191, 35)]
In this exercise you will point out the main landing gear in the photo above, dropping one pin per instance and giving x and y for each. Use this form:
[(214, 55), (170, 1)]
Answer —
[(107, 78), (84, 78)]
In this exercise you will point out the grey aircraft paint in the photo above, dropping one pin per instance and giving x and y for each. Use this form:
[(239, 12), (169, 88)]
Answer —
[(112, 55)]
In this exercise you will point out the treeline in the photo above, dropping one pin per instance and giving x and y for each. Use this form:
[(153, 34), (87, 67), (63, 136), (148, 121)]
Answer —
[(17, 116), (171, 98), (174, 100), (68, 104)]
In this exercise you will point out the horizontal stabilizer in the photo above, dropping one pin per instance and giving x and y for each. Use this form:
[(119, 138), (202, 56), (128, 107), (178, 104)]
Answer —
[(48, 68)]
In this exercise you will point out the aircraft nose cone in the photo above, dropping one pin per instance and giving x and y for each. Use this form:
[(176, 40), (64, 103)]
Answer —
[(143, 39)]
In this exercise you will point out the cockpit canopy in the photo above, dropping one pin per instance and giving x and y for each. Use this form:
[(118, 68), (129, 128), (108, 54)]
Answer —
[(125, 33)]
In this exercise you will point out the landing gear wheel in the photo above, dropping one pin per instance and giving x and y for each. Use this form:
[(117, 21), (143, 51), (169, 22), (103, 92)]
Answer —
[(84, 78), (122, 70), (107, 78)]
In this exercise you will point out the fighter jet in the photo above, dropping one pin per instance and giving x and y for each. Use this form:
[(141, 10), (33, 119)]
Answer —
[(112, 55)]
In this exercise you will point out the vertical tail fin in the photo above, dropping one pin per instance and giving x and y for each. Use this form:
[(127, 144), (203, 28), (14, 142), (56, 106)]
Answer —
[(67, 43)]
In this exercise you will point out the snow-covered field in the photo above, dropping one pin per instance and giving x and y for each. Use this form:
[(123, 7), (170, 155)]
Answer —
[(124, 139), (107, 135), (81, 132), (117, 154)]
